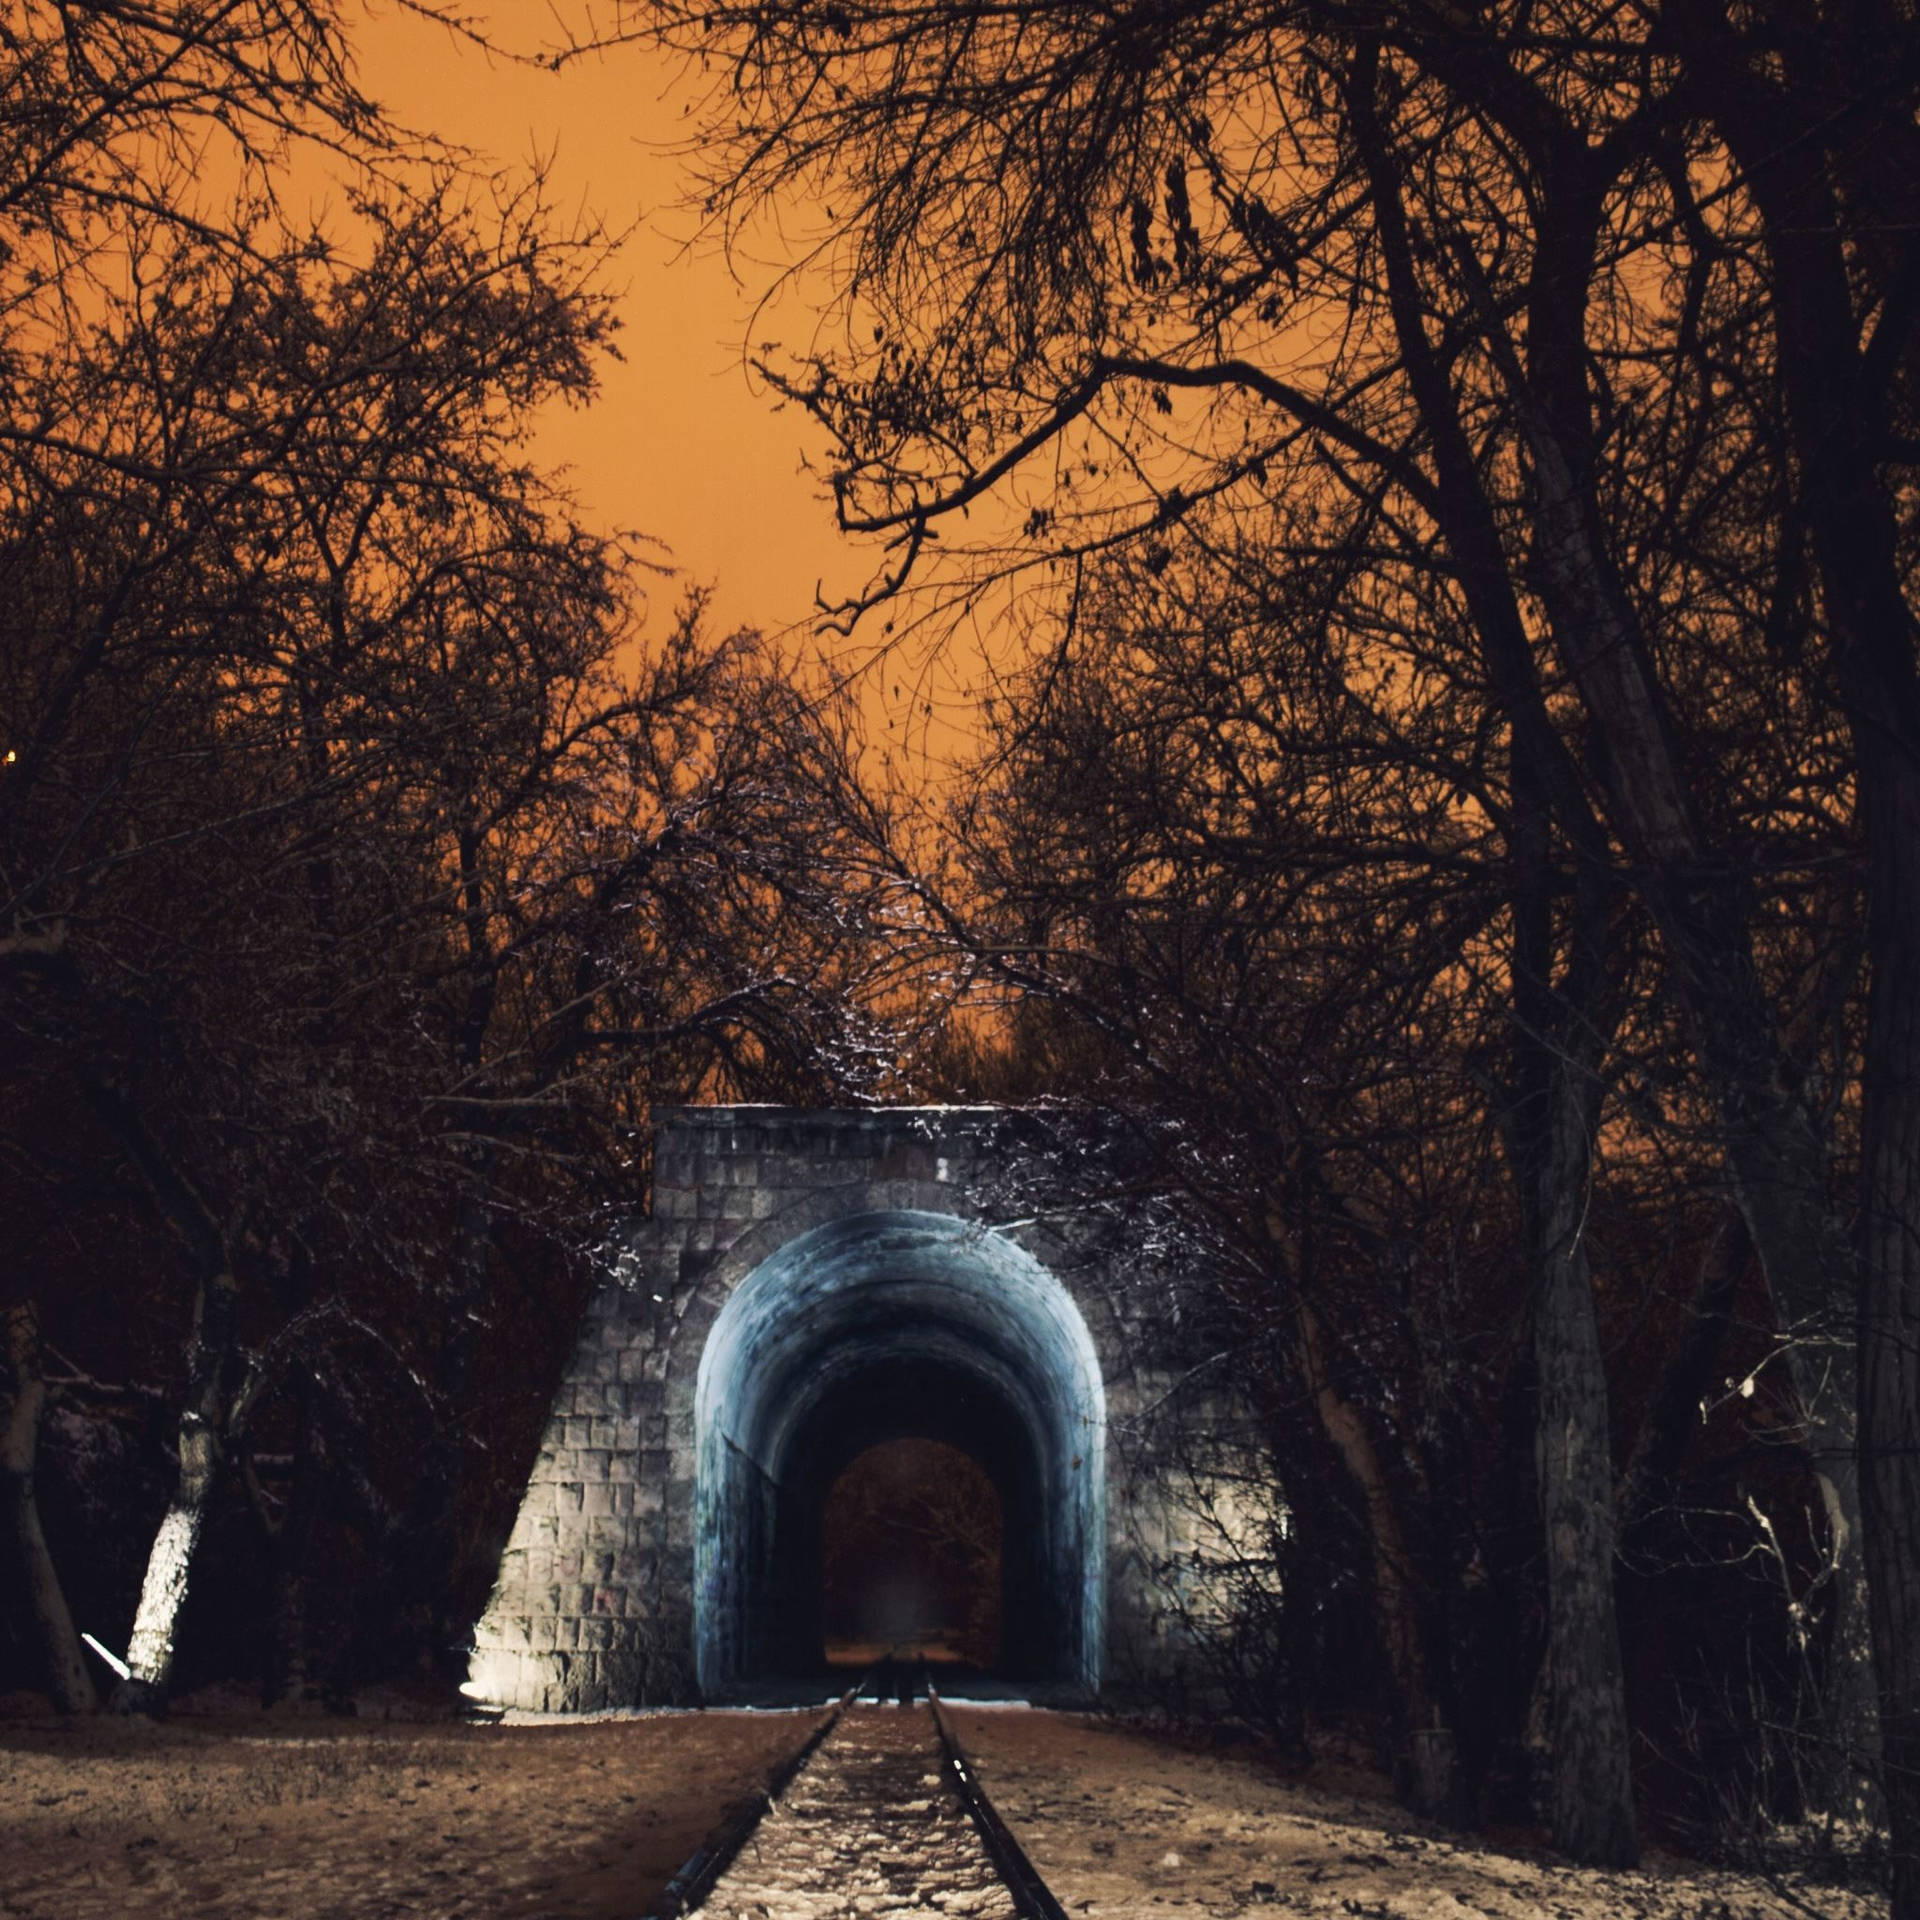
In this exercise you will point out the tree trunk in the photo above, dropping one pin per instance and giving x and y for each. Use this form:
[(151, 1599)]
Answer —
[(284, 1542), (1593, 1820), (1843, 317), (1775, 1155), (1435, 1784), (283, 1673), (427, 1554), (66, 1664), (163, 1591), (1560, 1039), (1838, 395), (1890, 1297), (1846, 1779), (1700, 901), (1563, 1018)]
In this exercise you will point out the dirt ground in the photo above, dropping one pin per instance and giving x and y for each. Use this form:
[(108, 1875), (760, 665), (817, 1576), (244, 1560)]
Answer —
[(350, 1820), (246, 1815), (1126, 1828)]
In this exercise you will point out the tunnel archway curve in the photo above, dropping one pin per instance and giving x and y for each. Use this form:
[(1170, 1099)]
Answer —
[(883, 1287)]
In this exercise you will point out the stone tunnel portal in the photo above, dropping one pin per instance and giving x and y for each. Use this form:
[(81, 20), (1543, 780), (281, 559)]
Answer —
[(882, 1326)]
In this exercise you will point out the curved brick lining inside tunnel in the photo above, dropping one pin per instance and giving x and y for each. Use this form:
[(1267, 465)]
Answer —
[(864, 1329)]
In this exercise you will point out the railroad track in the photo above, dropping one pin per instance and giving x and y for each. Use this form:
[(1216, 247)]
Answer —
[(879, 1812)]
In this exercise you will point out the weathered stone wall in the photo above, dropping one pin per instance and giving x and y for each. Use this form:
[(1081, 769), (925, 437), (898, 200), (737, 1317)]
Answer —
[(594, 1602)]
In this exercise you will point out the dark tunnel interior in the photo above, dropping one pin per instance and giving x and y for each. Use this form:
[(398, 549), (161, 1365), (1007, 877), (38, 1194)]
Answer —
[(886, 1334), (895, 1402), (911, 1557)]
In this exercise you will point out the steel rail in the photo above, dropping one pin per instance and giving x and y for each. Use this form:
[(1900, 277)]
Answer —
[(715, 1854), (1031, 1895), (1032, 1898)]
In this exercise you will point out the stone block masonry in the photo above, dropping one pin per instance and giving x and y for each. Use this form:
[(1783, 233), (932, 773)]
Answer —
[(895, 1263)]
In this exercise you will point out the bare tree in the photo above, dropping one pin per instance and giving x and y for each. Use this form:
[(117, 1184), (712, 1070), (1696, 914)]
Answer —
[(356, 883), (1093, 269), (70, 1682)]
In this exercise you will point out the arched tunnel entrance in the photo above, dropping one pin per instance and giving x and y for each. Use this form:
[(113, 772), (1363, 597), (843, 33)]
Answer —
[(878, 1328)]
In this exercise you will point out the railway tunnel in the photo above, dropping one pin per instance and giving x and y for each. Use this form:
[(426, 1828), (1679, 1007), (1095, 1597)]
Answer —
[(809, 1286), (882, 1326)]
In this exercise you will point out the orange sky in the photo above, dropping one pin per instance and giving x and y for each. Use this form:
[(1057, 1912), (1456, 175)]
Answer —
[(680, 446)]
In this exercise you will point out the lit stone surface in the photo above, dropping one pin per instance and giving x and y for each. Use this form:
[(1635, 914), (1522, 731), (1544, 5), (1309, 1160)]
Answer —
[(811, 1283)]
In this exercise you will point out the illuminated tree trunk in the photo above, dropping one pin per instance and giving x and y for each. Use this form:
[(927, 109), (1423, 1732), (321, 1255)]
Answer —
[(163, 1591), (66, 1665), (203, 1413)]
